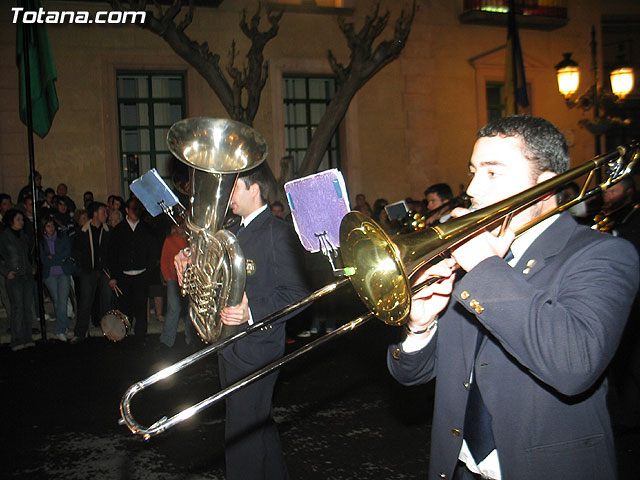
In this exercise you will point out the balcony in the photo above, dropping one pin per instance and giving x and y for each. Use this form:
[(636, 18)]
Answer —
[(532, 14)]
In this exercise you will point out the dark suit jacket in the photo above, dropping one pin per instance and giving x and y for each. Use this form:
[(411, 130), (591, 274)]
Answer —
[(132, 249), (270, 244), (81, 249), (553, 324)]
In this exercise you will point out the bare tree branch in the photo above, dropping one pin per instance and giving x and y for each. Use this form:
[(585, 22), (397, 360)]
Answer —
[(169, 23), (364, 63)]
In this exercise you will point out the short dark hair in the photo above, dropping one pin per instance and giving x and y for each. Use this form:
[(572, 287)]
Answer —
[(136, 205), (443, 191), (277, 204), (544, 146), (88, 192), (9, 215), (49, 190), (93, 208), (45, 220), (263, 177), (4, 196)]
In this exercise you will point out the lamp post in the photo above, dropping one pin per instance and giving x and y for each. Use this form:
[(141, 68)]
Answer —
[(595, 98)]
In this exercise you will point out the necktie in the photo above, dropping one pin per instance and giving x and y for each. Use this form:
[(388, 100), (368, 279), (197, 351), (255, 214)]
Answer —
[(509, 256), (477, 420), (241, 229)]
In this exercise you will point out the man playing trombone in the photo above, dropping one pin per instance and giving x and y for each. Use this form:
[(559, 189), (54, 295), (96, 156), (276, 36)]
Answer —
[(520, 342)]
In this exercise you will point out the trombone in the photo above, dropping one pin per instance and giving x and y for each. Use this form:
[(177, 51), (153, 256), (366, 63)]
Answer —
[(380, 271)]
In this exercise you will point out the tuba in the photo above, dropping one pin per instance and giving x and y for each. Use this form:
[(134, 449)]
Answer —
[(217, 150)]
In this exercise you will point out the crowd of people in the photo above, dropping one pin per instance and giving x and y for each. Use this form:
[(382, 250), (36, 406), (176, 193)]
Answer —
[(94, 259)]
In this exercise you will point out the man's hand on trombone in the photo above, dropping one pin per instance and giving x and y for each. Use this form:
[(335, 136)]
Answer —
[(480, 246), (428, 302)]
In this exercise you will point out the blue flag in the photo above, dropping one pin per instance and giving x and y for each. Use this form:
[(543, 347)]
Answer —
[(515, 82), (42, 71)]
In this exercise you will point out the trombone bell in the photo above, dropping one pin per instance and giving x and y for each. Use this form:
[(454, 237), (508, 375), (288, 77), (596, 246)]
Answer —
[(379, 279)]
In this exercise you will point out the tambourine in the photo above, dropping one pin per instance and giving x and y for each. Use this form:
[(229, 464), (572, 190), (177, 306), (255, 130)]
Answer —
[(115, 325)]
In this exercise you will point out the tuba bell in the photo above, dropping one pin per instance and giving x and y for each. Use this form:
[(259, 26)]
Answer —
[(217, 150)]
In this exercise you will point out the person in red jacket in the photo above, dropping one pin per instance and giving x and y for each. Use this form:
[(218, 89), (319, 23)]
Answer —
[(175, 302)]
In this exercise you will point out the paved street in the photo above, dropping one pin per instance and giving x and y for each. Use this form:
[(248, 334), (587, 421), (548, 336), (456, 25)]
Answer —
[(340, 414)]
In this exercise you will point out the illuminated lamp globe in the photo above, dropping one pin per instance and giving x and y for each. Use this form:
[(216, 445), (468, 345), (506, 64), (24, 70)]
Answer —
[(568, 76), (621, 81)]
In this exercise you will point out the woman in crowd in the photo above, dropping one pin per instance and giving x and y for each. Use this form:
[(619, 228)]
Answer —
[(57, 267), (175, 302), (18, 269)]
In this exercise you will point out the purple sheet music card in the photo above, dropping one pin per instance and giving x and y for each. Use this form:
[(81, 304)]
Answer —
[(318, 203)]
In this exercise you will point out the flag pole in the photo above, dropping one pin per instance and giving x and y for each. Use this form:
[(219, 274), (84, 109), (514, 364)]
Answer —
[(32, 170)]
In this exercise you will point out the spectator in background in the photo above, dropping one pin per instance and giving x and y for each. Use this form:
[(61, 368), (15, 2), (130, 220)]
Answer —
[(47, 207), (80, 217), (17, 268), (114, 203), (87, 198), (438, 202), (133, 253), (115, 217), (91, 248), (57, 267), (62, 217), (26, 207), (5, 204), (61, 191), (380, 215), (277, 210), (362, 206), (26, 190), (580, 210), (176, 303)]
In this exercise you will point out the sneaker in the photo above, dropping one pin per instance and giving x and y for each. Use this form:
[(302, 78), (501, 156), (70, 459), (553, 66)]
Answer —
[(49, 318), (304, 334), (15, 348), (29, 344), (75, 340), (313, 330), (60, 336)]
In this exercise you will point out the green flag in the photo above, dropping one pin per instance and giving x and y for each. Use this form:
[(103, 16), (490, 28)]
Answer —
[(42, 71)]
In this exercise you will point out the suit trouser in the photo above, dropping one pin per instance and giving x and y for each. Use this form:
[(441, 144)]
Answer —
[(133, 301), (252, 443), (89, 285)]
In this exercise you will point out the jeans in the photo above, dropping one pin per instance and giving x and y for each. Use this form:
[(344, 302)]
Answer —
[(58, 286), (20, 290), (175, 306)]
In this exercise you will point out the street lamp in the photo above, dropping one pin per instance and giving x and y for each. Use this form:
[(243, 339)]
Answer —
[(568, 75)]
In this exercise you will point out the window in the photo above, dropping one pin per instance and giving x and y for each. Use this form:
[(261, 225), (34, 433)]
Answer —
[(495, 100), (148, 104), (305, 102)]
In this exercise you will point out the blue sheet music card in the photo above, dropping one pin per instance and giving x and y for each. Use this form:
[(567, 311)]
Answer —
[(154, 193), (318, 203)]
